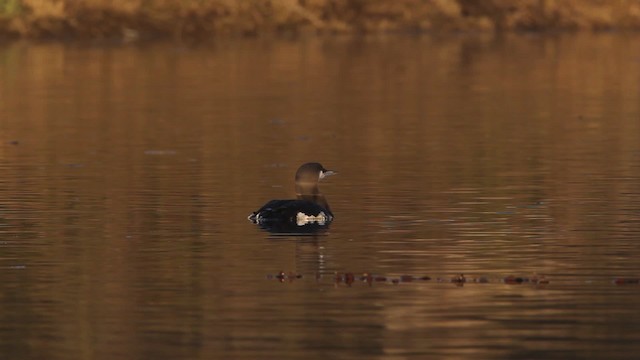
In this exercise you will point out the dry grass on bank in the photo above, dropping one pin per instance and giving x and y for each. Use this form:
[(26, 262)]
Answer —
[(201, 18)]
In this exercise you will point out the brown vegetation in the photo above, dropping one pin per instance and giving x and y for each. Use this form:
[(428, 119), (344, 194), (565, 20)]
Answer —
[(131, 19)]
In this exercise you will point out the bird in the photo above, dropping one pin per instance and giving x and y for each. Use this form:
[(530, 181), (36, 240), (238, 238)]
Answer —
[(309, 207)]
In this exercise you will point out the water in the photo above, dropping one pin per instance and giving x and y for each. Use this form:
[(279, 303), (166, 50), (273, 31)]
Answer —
[(127, 173)]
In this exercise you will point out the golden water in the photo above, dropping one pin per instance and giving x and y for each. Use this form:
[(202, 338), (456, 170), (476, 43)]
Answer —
[(127, 173)]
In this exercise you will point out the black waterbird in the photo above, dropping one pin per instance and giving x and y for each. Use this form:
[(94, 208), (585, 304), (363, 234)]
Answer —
[(309, 211)]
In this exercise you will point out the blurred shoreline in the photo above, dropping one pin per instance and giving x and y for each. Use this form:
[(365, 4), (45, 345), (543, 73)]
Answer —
[(149, 19)]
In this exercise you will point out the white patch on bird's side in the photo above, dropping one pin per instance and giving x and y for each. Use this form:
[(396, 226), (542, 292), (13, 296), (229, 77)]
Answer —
[(303, 219)]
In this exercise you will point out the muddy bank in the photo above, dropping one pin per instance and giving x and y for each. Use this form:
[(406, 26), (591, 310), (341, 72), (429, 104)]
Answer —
[(132, 19)]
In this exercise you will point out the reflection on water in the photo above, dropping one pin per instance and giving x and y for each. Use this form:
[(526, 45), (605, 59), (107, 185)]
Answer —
[(128, 173)]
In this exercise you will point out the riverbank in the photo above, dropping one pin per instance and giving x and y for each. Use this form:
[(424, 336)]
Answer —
[(134, 19)]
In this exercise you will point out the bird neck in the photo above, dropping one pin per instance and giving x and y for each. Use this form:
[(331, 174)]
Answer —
[(307, 188), (311, 192)]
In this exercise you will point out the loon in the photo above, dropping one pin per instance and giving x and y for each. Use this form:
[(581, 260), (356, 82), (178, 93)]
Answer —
[(310, 207)]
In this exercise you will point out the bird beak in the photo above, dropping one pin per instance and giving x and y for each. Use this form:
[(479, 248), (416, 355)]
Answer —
[(325, 173)]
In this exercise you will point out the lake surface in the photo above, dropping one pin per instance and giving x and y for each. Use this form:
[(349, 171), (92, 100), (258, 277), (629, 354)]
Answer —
[(127, 173)]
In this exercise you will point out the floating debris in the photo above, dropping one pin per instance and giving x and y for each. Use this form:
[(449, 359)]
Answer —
[(459, 279), (535, 279), (539, 279), (349, 278), (282, 276), (366, 277), (513, 280), (406, 278), (626, 281)]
